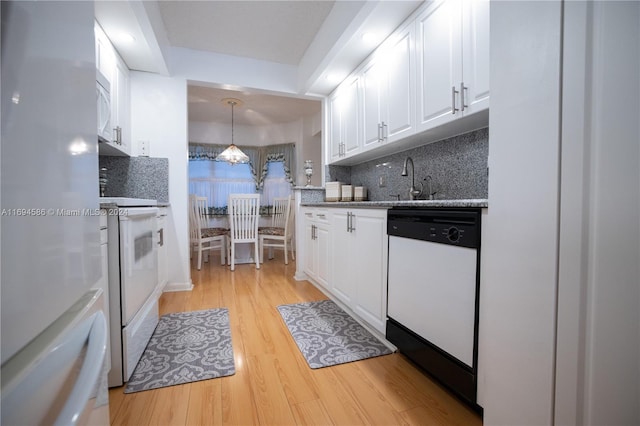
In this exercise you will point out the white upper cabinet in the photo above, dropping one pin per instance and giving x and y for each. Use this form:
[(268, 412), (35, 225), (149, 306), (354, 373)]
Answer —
[(344, 120), (475, 54), (453, 61), (114, 69), (387, 90), (120, 106), (432, 71)]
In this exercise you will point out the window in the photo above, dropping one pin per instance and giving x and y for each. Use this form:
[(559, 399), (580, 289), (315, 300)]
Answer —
[(275, 183), (216, 180)]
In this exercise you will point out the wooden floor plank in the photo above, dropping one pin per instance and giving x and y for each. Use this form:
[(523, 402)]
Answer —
[(268, 391), (311, 413), (205, 404), (371, 400)]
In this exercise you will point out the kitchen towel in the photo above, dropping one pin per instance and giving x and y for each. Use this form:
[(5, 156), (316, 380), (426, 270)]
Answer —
[(326, 335), (185, 347)]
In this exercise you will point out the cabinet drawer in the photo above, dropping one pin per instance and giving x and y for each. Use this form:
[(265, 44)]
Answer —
[(321, 215)]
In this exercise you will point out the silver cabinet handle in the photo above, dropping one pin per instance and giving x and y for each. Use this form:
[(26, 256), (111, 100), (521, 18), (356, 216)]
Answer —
[(380, 132), (117, 134), (453, 100), (385, 131), (462, 89), (322, 215), (350, 227)]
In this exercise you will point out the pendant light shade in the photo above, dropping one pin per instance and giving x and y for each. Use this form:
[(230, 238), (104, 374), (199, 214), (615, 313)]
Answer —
[(233, 154)]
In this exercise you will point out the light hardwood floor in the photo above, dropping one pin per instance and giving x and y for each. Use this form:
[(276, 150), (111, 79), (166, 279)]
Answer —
[(273, 384)]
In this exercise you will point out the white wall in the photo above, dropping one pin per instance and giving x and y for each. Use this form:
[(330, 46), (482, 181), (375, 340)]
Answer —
[(311, 149), (232, 71), (159, 115), (598, 363), (519, 236), (560, 292), (207, 132)]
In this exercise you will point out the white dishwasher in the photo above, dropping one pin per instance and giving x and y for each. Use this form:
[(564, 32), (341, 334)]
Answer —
[(433, 292)]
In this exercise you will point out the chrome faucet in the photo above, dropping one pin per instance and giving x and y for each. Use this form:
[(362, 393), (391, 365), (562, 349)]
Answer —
[(413, 192)]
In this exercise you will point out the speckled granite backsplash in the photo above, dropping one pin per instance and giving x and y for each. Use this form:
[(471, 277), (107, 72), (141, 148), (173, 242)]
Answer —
[(457, 166), (137, 177)]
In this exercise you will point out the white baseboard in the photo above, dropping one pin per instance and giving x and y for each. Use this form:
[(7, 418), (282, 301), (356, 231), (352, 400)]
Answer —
[(178, 287), (300, 276)]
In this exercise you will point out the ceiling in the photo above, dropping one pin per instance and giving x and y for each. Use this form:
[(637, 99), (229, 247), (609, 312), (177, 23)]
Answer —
[(208, 104), (276, 31), (318, 37)]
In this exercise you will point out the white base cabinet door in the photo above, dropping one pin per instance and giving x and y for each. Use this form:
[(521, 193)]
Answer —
[(359, 262), (316, 249)]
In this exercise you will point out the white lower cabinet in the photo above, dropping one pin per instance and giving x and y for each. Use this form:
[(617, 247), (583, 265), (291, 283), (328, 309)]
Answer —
[(345, 252), (359, 248), (316, 249)]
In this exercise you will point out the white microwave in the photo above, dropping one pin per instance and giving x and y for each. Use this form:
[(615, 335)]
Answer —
[(103, 92)]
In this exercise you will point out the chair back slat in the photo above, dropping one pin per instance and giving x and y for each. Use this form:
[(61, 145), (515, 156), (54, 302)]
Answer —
[(279, 217), (289, 223), (244, 216)]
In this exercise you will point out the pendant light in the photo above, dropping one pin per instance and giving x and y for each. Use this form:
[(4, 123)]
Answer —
[(233, 154)]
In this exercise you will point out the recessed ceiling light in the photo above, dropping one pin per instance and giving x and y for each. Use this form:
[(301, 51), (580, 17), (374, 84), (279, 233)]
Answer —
[(126, 38), (370, 38), (334, 77)]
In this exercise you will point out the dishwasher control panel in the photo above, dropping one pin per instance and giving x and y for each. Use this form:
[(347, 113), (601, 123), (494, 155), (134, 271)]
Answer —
[(454, 227)]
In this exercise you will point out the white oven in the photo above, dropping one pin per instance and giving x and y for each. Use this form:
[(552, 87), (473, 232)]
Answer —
[(133, 278)]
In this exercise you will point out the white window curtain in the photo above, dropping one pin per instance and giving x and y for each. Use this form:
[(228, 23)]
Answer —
[(216, 180), (275, 183)]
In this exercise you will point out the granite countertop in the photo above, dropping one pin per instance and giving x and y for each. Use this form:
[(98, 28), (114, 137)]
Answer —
[(476, 203), (303, 187)]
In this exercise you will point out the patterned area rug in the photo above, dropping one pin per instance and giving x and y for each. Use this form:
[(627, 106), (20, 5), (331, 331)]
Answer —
[(326, 335), (185, 347)]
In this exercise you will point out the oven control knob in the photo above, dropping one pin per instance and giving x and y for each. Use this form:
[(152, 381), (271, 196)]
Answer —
[(453, 234)]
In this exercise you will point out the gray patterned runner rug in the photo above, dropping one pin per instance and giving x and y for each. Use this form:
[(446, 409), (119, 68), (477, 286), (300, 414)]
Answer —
[(185, 347), (326, 335)]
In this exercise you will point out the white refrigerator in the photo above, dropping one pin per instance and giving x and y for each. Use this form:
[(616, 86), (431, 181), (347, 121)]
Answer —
[(50, 257)]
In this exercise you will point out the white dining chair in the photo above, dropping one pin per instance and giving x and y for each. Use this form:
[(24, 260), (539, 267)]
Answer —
[(244, 214), (202, 237), (280, 233)]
